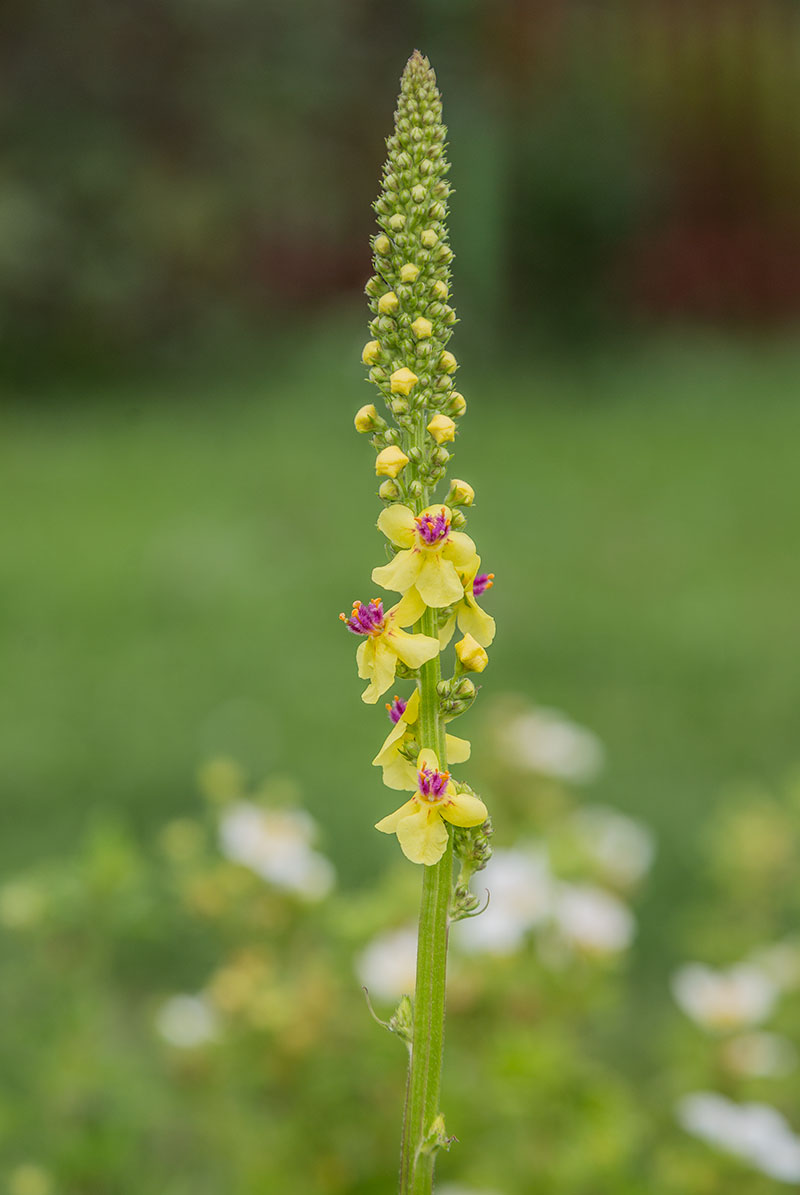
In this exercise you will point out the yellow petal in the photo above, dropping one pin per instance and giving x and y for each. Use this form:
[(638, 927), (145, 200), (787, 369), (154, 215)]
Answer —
[(464, 810), (390, 744), (365, 659), (458, 750), (399, 574), (412, 708), (383, 670), (462, 551), (476, 622), (408, 610), (400, 773), (422, 837), (438, 582), (413, 650), (389, 824), (428, 758), (397, 524), (446, 631)]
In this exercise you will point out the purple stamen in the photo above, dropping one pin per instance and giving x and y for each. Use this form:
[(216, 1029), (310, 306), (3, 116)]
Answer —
[(365, 620), (396, 709), (432, 529), (432, 783), (482, 582)]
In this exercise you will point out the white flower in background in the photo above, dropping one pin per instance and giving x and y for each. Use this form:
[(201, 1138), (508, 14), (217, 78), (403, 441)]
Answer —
[(30, 1179), (592, 920), (22, 904), (276, 845), (721, 1000), (760, 1055), (519, 884), (387, 965), (187, 1021), (622, 847), (756, 1133), (546, 741), (781, 962)]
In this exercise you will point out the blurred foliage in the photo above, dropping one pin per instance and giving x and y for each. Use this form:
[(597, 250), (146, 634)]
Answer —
[(177, 170)]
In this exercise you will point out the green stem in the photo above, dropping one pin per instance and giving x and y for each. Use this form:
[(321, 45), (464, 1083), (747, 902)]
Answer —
[(425, 1065)]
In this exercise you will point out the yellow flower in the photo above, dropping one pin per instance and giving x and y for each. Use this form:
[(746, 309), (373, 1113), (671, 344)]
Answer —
[(471, 654), (442, 428), (386, 642), (399, 772), (371, 352), (471, 619), (403, 381), (382, 245), (421, 327), (366, 417), (420, 823), (458, 404), (447, 362), (409, 272), (390, 461), (388, 303), (432, 554)]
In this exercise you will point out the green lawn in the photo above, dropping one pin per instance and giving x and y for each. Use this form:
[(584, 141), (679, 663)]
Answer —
[(176, 554)]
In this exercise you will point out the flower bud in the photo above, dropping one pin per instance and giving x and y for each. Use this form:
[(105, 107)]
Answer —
[(447, 362), (389, 490), (409, 272), (367, 419), (457, 403), (418, 193), (403, 381), (460, 493), (442, 428), (429, 238), (444, 252), (421, 327), (458, 520), (390, 461), (437, 211), (399, 405), (382, 245), (440, 289), (371, 352), (472, 656), (388, 303), (397, 222)]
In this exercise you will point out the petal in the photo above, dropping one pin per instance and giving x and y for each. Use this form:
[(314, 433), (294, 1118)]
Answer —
[(382, 673), (412, 708), (413, 650), (464, 810), (408, 610), (428, 758), (389, 824), (397, 524), (400, 773), (423, 837), (446, 631), (462, 551), (458, 750), (390, 744), (365, 659), (437, 509), (399, 574), (438, 582), (476, 622)]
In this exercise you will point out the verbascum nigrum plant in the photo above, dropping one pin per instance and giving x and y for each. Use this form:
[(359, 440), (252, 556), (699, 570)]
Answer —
[(435, 572)]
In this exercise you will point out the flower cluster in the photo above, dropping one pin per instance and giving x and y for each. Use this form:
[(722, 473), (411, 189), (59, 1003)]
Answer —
[(434, 565)]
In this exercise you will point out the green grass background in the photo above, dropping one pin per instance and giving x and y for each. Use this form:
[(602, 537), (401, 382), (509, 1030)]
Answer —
[(177, 549)]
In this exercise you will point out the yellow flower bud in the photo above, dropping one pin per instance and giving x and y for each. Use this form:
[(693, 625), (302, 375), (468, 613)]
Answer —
[(473, 657), (390, 461), (389, 490), (409, 272), (366, 418), (428, 238), (418, 193), (382, 245), (388, 303), (397, 221), (440, 290), (458, 404), (461, 493), (371, 352), (421, 327), (442, 428), (403, 381), (447, 362)]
